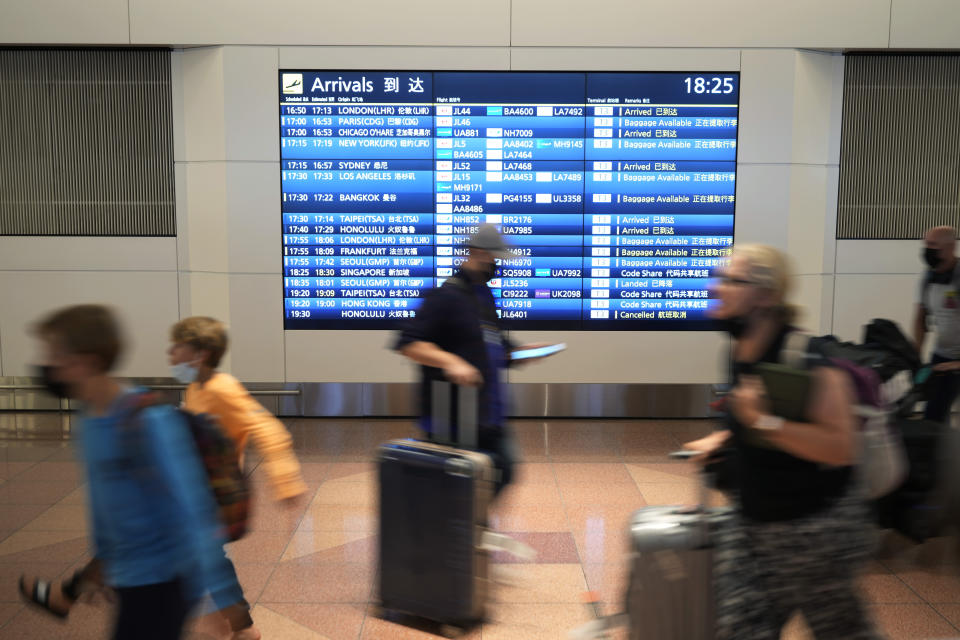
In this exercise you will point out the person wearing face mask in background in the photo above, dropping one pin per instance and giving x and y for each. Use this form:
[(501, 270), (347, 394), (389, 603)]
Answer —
[(156, 538), (456, 336), (198, 345), (939, 299), (801, 531)]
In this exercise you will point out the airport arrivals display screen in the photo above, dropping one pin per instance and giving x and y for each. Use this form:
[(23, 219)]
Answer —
[(616, 191)]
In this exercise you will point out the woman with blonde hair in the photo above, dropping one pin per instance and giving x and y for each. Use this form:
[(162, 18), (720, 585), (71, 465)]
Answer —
[(802, 530)]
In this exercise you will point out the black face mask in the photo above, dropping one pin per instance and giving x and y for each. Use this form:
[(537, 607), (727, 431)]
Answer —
[(484, 274), (931, 257), (54, 387)]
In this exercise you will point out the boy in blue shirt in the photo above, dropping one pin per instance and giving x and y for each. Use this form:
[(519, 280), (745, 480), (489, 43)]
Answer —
[(154, 521)]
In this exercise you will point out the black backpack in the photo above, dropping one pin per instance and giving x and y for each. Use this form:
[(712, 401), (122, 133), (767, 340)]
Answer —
[(886, 336)]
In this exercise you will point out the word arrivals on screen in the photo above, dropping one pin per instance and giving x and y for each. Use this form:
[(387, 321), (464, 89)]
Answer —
[(617, 191)]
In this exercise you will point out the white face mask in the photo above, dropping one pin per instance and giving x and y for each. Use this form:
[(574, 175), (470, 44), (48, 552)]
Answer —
[(184, 373)]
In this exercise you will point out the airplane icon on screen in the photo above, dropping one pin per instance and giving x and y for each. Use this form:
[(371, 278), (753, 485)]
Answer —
[(293, 83)]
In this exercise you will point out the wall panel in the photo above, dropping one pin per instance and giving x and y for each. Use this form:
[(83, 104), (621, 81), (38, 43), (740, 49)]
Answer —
[(924, 24), (64, 22), (147, 303), (694, 23), (307, 22), (900, 157)]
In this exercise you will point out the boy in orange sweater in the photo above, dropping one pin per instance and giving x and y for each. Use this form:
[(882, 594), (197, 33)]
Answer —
[(198, 344)]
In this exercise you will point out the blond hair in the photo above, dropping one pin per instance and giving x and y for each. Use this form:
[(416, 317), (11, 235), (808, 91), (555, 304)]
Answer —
[(769, 268), (203, 334)]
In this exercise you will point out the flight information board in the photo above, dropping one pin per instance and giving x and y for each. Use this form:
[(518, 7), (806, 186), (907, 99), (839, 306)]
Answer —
[(616, 190)]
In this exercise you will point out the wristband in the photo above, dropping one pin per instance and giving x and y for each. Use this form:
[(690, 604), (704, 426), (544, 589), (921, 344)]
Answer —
[(768, 423)]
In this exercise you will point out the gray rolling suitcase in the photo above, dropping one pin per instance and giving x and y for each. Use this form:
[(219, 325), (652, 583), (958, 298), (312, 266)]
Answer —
[(433, 508), (670, 592)]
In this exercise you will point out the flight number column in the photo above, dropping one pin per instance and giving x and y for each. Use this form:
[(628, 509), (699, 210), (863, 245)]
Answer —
[(518, 166)]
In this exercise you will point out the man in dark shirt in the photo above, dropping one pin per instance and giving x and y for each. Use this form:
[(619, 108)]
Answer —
[(456, 336)]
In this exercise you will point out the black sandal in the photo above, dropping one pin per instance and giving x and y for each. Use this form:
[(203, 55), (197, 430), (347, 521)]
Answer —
[(39, 597), (71, 588)]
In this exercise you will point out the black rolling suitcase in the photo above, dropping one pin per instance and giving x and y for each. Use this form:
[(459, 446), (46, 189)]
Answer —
[(433, 509), (918, 508)]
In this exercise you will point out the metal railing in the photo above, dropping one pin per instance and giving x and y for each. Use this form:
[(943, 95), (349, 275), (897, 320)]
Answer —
[(158, 387), (54, 417)]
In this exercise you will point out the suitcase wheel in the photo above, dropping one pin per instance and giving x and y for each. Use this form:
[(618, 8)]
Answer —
[(445, 630), (451, 631)]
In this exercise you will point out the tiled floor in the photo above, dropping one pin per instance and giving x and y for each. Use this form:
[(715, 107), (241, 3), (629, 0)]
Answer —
[(309, 570)]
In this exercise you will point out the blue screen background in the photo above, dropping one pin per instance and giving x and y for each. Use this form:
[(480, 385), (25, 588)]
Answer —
[(617, 191)]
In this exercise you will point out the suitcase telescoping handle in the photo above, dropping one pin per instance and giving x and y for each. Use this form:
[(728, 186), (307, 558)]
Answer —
[(441, 398), (706, 479)]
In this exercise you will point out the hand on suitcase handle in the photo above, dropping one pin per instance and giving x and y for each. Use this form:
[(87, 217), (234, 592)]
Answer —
[(455, 368), (707, 445), (461, 372)]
